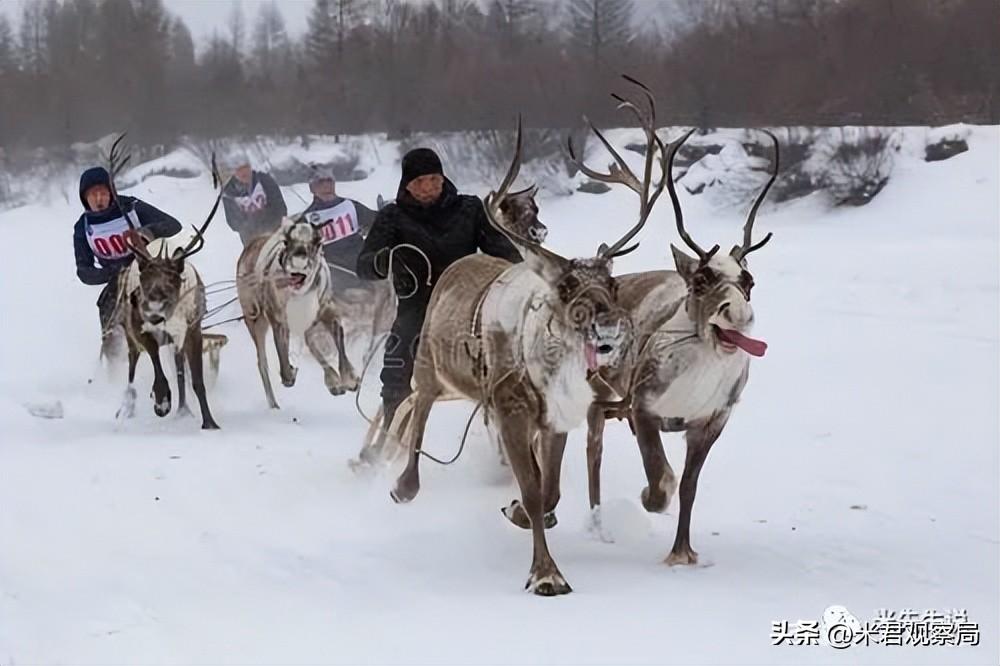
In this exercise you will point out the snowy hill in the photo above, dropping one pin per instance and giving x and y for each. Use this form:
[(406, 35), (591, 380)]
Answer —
[(859, 469)]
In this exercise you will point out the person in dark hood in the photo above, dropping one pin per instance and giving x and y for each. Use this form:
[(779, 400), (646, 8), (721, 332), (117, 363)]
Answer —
[(252, 201), (99, 235), (343, 224), (430, 214)]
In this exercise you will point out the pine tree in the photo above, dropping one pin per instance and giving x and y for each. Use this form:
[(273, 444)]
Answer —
[(598, 27), (321, 35), (7, 62), (271, 47), (237, 27)]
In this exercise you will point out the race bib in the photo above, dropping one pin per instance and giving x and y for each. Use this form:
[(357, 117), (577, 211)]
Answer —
[(107, 240), (335, 223), (254, 202)]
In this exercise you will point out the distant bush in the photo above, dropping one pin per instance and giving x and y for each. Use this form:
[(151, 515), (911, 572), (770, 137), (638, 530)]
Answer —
[(853, 164)]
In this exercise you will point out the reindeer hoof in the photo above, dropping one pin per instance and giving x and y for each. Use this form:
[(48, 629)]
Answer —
[(654, 502), (183, 412), (161, 406), (210, 424), (516, 514), (549, 585), (682, 556), (127, 409), (289, 379), (335, 390), (361, 467), (404, 491)]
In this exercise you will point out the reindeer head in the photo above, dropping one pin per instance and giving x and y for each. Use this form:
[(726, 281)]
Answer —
[(586, 290), (301, 252), (718, 298), (588, 305), (161, 277), (520, 215)]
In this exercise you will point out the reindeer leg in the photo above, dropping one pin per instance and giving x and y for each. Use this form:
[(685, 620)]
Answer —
[(258, 331), (347, 375), (551, 455), (319, 341), (517, 434), (193, 347), (596, 420), (288, 372), (659, 475), (408, 483), (595, 453), (161, 387), (127, 409), (700, 438), (182, 408)]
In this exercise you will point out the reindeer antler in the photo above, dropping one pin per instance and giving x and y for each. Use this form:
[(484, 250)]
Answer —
[(678, 215), (747, 247), (198, 242), (494, 199), (116, 163), (620, 172)]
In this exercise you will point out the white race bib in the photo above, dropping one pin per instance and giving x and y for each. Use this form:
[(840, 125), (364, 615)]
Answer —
[(254, 202), (107, 240), (337, 222)]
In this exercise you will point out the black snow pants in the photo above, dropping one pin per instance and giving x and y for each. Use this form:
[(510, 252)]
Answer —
[(400, 352)]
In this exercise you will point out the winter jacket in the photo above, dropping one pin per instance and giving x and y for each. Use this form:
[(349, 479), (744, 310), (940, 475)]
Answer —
[(343, 238), (255, 209), (453, 227), (343, 224), (98, 237)]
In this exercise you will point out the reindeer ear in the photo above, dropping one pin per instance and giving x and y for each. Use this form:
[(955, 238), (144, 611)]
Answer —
[(686, 265), (736, 253)]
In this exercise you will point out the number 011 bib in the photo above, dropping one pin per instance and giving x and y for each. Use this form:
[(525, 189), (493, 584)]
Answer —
[(337, 222)]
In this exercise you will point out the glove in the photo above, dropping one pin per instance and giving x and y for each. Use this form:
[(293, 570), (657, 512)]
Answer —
[(402, 279)]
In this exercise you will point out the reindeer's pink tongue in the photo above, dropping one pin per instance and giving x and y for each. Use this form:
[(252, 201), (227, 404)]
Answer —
[(590, 351), (749, 345)]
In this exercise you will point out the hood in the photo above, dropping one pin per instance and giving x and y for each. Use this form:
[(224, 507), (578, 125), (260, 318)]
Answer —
[(93, 176)]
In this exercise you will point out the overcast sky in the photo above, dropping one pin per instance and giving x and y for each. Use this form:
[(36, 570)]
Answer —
[(205, 16)]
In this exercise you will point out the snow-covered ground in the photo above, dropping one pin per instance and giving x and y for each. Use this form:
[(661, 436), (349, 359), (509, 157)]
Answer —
[(860, 468)]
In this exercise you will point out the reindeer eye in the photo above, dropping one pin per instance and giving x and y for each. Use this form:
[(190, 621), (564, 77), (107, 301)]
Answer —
[(703, 278), (746, 283)]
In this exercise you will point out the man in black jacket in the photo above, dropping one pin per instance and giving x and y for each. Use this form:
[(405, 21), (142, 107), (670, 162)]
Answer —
[(430, 214), (252, 201), (99, 235), (343, 224)]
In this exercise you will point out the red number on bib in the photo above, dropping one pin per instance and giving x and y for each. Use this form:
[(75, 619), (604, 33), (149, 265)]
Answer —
[(118, 243)]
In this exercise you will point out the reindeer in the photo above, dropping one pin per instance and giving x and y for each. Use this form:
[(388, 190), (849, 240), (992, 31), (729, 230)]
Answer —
[(283, 283), (161, 299), (521, 340), (688, 366)]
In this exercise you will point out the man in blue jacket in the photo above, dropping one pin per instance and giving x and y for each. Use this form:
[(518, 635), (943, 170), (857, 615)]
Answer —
[(99, 235)]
